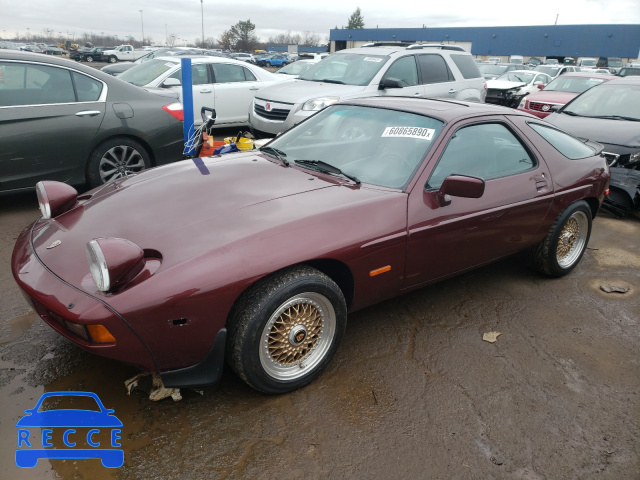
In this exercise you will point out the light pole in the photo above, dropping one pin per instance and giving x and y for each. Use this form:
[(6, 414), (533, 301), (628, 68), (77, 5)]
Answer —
[(202, 16), (142, 23)]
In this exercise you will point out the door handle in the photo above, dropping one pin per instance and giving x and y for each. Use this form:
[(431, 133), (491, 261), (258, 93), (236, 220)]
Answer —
[(88, 113), (452, 91), (417, 94), (206, 90), (254, 88)]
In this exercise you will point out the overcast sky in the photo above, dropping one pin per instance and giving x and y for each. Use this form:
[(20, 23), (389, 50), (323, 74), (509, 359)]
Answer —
[(182, 17)]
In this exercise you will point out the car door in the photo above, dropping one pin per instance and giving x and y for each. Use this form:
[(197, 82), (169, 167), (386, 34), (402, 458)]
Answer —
[(473, 231), (234, 88), (436, 76), (404, 69), (202, 88), (49, 116)]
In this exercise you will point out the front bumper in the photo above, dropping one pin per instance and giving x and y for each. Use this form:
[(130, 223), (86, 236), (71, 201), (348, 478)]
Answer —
[(57, 302), (275, 117)]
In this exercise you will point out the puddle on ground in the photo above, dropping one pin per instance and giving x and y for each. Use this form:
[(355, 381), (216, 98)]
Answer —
[(616, 257), (19, 326)]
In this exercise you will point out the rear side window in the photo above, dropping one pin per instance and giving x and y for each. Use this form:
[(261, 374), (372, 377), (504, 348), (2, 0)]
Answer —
[(567, 145), (248, 76), (199, 74), (467, 66), (434, 69), (226, 73), (88, 89)]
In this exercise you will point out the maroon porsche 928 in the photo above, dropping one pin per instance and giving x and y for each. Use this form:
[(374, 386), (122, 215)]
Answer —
[(257, 257)]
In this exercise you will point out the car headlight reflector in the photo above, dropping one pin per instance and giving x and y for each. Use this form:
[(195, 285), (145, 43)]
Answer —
[(98, 266), (317, 104)]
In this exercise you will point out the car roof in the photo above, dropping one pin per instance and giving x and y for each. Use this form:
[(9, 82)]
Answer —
[(631, 80), (587, 75), (390, 50), (447, 110), (203, 59)]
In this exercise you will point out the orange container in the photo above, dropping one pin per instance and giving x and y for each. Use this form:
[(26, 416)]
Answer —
[(209, 145)]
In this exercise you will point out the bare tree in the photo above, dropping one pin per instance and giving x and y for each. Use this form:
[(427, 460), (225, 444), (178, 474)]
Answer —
[(310, 38), (227, 40)]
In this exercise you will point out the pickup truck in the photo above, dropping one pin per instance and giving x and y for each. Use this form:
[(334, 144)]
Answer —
[(123, 53)]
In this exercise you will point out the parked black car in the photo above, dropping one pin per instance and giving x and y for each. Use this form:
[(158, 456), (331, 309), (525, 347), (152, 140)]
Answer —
[(89, 54), (60, 120), (609, 114)]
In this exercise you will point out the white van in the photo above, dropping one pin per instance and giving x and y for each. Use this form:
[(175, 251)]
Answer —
[(517, 59)]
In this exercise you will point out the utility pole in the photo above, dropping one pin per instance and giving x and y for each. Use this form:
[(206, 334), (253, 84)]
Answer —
[(142, 23), (557, 15), (202, 16), (166, 35)]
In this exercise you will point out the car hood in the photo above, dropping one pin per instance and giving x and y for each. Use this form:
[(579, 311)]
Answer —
[(504, 84), (299, 91), (559, 98), (181, 210), (605, 131)]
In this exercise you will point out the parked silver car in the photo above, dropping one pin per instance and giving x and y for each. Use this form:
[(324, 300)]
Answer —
[(444, 71)]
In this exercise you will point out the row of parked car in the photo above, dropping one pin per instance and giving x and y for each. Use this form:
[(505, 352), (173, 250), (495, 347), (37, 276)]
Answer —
[(240, 92)]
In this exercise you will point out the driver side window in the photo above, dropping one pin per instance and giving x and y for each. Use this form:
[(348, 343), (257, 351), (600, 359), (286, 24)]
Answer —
[(486, 151), (405, 70)]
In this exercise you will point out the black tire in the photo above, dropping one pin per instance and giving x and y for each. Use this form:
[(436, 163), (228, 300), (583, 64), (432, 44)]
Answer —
[(565, 243), (89, 59), (293, 305), (113, 59), (114, 159)]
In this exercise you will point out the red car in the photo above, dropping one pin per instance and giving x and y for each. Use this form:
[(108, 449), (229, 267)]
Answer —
[(560, 91), (257, 257)]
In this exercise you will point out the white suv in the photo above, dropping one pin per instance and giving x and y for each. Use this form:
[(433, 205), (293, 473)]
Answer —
[(426, 71)]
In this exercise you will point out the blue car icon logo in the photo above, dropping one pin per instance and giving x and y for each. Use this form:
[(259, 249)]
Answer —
[(67, 425)]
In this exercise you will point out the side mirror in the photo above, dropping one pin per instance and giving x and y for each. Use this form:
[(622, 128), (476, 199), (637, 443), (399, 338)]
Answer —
[(540, 85), (555, 108), (459, 186), (171, 82), (390, 82)]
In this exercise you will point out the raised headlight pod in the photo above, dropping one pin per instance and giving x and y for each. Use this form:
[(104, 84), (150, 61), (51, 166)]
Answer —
[(55, 198), (317, 104), (113, 262)]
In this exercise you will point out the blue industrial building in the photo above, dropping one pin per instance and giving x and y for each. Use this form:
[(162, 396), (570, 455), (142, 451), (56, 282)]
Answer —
[(553, 41)]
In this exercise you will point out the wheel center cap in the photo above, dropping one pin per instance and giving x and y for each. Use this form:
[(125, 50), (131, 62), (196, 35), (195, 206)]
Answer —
[(297, 335)]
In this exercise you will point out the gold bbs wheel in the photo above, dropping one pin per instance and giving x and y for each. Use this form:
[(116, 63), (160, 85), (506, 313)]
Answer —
[(297, 336), (572, 239)]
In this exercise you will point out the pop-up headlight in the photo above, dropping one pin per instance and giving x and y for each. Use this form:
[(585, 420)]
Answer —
[(113, 262)]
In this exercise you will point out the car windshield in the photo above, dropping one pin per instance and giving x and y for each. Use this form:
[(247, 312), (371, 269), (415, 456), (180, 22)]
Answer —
[(376, 145), (517, 77), (619, 102), (615, 62), (296, 68), (346, 68), (551, 71), (146, 72), (572, 84), (588, 63), (492, 69)]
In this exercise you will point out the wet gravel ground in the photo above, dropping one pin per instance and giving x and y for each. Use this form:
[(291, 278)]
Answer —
[(414, 391)]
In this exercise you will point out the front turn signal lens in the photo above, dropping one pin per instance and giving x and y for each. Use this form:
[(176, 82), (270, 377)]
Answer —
[(100, 334)]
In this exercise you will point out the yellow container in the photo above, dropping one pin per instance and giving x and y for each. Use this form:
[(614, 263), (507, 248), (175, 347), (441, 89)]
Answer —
[(242, 143)]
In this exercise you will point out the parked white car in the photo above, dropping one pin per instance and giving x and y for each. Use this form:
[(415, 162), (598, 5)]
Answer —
[(508, 89), (224, 84)]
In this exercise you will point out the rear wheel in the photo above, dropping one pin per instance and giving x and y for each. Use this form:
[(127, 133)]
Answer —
[(116, 158), (113, 59), (89, 58), (285, 329), (565, 243)]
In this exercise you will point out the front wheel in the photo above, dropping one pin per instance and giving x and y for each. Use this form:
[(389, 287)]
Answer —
[(116, 158), (89, 59), (565, 243), (112, 59), (285, 329)]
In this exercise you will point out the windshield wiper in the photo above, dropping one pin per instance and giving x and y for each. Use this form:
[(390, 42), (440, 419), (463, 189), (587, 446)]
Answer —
[(569, 112), (279, 154), (327, 168), (616, 117), (330, 80)]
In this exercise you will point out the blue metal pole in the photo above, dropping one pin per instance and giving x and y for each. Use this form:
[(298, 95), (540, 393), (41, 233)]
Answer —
[(187, 103)]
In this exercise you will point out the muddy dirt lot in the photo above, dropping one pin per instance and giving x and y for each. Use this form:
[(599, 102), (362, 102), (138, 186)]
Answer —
[(414, 391)]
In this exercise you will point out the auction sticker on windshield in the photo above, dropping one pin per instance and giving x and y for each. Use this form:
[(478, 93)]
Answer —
[(51, 430), (409, 132), (372, 59)]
